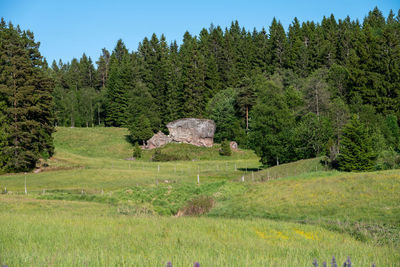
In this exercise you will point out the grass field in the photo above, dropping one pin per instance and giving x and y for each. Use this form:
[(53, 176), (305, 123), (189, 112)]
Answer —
[(91, 207)]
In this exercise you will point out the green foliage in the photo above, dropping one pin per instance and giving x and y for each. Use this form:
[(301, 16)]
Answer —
[(221, 109), (143, 119), (137, 151), (225, 149), (270, 126), (356, 150), (26, 103), (311, 135), (387, 160), (391, 131), (120, 83), (159, 156)]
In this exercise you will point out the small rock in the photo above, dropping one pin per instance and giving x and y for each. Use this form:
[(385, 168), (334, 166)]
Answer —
[(233, 145)]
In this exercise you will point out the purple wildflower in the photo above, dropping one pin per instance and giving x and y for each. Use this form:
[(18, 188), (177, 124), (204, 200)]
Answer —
[(169, 264), (196, 264), (347, 263), (333, 263), (315, 263), (324, 264), (373, 265)]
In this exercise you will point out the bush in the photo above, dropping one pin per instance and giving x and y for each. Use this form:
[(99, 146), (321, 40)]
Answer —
[(356, 148), (137, 151), (198, 206), (387, 160), (225, 148), (159, 156)]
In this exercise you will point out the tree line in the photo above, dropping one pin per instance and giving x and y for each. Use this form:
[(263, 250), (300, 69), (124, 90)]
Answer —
[(288, 95)]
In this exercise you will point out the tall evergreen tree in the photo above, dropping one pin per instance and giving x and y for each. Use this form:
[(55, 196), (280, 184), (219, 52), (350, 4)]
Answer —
[(356, 150), (221, 109), (277, 45), (121, 81), (270, 126), (142, 114), (25, 98), (193, 74)]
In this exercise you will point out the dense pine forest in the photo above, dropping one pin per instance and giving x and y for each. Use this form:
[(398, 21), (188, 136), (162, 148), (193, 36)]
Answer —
[(292, 94)]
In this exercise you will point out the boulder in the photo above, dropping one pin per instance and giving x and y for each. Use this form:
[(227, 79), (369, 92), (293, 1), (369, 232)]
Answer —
[(198, 132), (159, 139), (233, 145)]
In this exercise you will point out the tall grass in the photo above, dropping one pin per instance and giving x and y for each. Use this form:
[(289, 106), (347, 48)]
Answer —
[(53, 233)]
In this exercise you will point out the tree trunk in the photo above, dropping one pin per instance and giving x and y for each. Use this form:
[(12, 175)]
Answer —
[(98, 113), (247, 118), (317, 101)]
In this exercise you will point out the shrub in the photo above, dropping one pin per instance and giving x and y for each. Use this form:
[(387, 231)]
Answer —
[(159, 156), (388, 159), (198, 206), (137, 151), (225, 148), (356, 148)]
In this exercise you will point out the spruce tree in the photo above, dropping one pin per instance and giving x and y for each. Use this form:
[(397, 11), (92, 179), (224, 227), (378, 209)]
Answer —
[(270, 126), (174, 95), (121, 82), (246, 97), (225, 148), (26, 101), (142, 115), (356, 150), (193, 74), (221, 109), (277, 45)]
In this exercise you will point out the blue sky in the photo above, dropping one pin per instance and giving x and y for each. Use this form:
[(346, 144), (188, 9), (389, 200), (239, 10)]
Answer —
[(68, 28)]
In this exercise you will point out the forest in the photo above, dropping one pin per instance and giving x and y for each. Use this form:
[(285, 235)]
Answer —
[(317, 88)]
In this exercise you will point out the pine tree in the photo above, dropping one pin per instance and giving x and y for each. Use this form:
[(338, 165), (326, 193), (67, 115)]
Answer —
[(225, 148), (121, 81), (270, 125), (221, 109), (193, 74), (25, 98), (103, 68), (247, 97), (356, 150), (174, 101), (142, 114), (277, 45)]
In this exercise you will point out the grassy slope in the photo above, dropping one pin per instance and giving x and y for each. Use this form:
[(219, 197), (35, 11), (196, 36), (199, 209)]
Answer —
[(93, 159), (54, 233), (357, 204)]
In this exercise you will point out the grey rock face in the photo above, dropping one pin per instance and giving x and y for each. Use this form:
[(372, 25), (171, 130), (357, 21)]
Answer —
[(159, 139), (198, 132)]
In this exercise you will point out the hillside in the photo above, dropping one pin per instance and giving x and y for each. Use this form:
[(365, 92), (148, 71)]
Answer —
[(102, 201)]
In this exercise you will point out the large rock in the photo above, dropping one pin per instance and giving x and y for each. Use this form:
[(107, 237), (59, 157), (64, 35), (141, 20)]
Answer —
[(159, 139), (198, 132)]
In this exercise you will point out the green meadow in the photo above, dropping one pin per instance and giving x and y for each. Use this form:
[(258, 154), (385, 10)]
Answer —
[(92, 207)]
